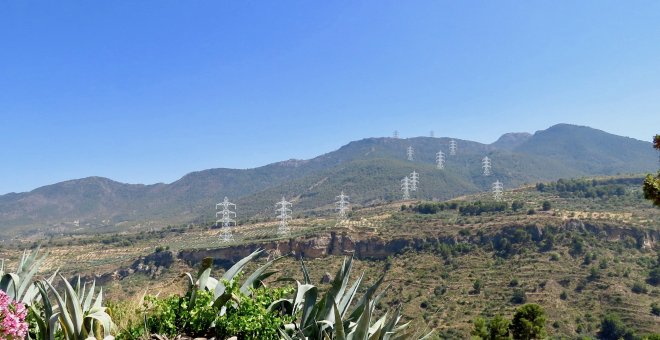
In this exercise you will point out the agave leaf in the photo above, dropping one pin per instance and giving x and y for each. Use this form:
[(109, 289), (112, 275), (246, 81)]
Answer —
[(362, 302), (257, 276), (222, 299), (377, 327), (79, 292), (285, 306), (73, 306), (361, 330), (104, 319), (305, 272), (52, 325), (348, 297), (88, 298), (339, 325), (192, 281), (9, 284), (63, 313), (235, 269), (26, 280), (310, 296), (98, 303)]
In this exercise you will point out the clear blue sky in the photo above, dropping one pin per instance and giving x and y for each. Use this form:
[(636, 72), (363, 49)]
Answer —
[(147, 91)]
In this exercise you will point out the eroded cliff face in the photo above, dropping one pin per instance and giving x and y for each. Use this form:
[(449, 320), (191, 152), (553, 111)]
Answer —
[(375, 248)]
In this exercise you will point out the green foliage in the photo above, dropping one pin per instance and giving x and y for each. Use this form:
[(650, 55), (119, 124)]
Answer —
[(654, 276), (19, 285), (477, 286), (477, 208), (655, 309), (546, 205), (517, 205), (586, 188), (612, 328), (518, 296), (495, 329), (528, 322), (639, 288), (175, 315), (651, 185), (250, 318)]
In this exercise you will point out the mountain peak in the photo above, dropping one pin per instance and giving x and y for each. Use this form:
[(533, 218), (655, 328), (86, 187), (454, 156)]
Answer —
[(511, 140)]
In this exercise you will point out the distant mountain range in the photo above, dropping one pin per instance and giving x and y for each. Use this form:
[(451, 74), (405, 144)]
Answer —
[(368, 170)]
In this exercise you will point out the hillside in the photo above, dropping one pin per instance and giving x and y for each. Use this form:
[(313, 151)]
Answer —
[(368, 170), (580, 260)]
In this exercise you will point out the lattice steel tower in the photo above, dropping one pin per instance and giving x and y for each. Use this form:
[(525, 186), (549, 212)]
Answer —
[(405, 188), (414, 180), (226, 219), (411, 153), (342, 205), (452, 147), (485, 163), (284, 216), (432, 134), (498, 190), (440, 160), (396, 134)]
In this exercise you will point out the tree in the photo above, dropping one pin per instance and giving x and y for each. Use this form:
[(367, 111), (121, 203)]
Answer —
[(652, 183), (612, 328), (477, 286), (528, 322), (547, 205), (495, 329)]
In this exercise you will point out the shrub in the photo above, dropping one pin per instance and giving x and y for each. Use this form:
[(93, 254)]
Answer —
[(654, 276), (612, 328), (528, 322), (655, 309), (639, 288), (563, 295), (546, 205), (518, 296)]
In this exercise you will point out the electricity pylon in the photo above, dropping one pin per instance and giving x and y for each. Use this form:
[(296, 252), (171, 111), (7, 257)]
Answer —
[(452, 147), (405, 188), (411, 153), (226, 219), (414, 180), (498, 190), (432, 134), (284, 216), (485, 163), (341, 206), (440, 160), (396, 134)]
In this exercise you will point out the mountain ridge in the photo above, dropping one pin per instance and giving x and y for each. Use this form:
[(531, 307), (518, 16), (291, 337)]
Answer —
[(562, 150)]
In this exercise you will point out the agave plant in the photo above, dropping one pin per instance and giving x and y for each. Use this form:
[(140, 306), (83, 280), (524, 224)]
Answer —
[(19, 285), (217, 286), (329, 317), (79, 315)]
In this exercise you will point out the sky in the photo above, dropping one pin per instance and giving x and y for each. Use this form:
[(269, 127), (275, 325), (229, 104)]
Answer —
[(147, 91)]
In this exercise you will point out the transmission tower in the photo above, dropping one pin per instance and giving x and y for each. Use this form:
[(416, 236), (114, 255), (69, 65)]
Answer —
[(411, 153), (414, 180), (341, 206), (485, 163), (440, 160), (226, 219), (498, 190), (284, 216), (452, 147), (396, 134), (405, 188), (432, 134)]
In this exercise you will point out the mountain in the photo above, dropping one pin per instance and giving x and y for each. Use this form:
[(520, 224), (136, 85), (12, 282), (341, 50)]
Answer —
[(368, 170)]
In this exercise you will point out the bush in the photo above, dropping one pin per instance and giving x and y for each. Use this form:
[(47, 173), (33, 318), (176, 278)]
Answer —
[(477, 286), (612, 328), (654, 276), (639, 288), (518, 296), (546, 205), (528, 322), (655, 309), (563, 295)]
